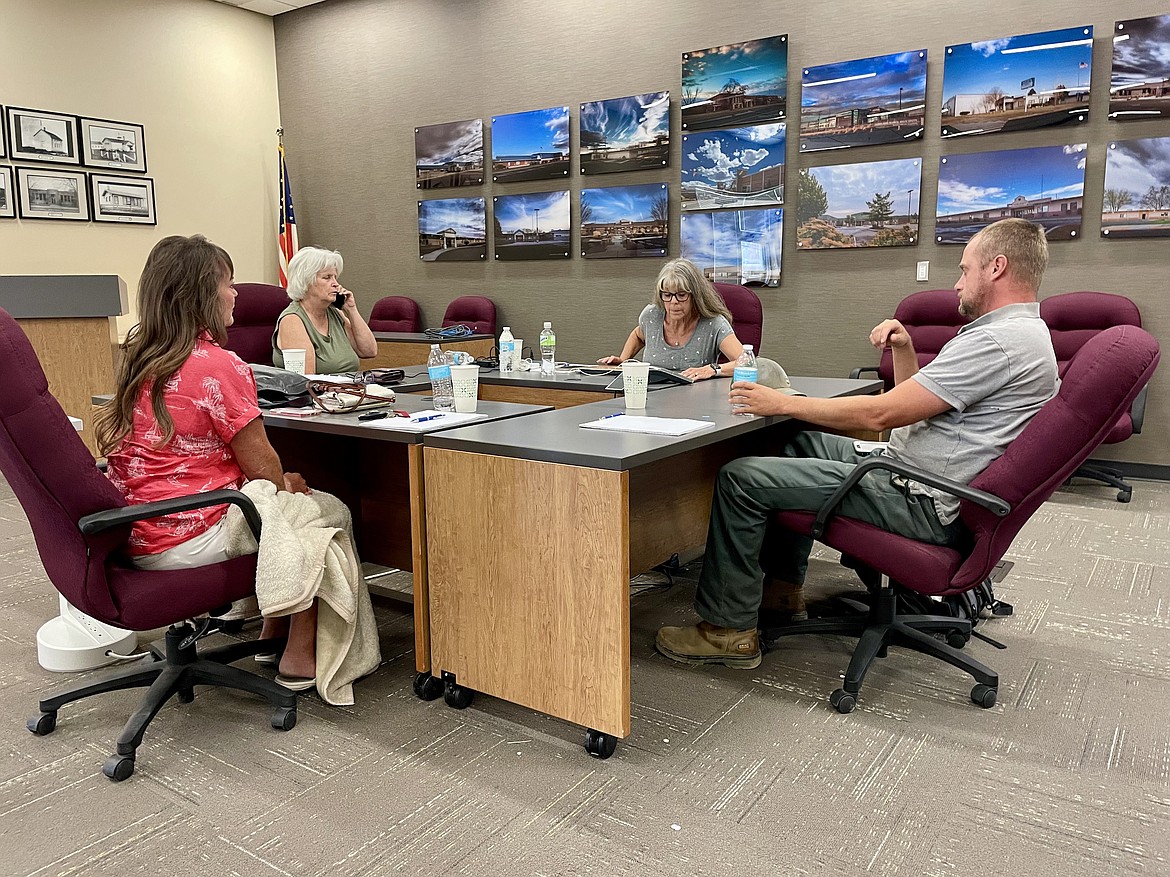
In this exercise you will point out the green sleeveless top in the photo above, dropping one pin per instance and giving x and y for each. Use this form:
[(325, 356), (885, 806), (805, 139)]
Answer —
[(333, 351)]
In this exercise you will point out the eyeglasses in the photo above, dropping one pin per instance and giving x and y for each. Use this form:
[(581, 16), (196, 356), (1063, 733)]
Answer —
[(681, 297)]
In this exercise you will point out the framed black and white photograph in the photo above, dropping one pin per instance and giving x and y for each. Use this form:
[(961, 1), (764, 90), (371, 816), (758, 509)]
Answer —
[(118, 146), (37, 135), (122, 199), (52, 193), (7, 196)]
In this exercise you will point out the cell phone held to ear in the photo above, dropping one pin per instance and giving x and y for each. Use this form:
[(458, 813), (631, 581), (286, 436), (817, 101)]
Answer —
[(338, 300)]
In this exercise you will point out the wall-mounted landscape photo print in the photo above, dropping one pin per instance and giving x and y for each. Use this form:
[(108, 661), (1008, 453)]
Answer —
[(625, 133), (7, 195), (530, 146), (858, 205), (1137, 189), (452, 230), (37, 135), (1017, 83), (735, 246), (622, 221), (52, 193), (741, 167), (1044, 184), (863, 103), (448, 155), (533, 226), (1139, 84), (738, 84)]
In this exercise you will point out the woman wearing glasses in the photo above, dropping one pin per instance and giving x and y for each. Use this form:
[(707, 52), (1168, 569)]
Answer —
[(685, 327)]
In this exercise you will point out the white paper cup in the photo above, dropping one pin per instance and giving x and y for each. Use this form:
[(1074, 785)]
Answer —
[(294, 359), (465, 385), (635, 377)]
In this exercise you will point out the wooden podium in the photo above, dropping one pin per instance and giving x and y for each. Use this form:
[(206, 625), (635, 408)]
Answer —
[(70, 321)]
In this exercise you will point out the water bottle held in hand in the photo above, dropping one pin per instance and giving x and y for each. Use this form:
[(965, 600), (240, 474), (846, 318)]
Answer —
[(745, 370), (507, 350), (439, 371), (548, 350)]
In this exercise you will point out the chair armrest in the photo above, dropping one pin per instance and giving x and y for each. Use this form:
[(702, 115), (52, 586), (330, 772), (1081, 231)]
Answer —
[(858, 372), (105, 520), (1137, 411), (962, 491)]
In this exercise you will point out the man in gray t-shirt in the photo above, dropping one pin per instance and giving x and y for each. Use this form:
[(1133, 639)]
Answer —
[(953, 418)]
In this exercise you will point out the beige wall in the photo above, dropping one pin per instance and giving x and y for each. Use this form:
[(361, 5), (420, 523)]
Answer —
[(357, 75), (201, 78)]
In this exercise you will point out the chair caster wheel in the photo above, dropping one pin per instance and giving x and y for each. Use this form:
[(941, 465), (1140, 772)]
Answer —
[(983, 696), (186, 695), (457, 697), (842, 701), (43, 724), (600, 745), (956, 640), (427, 687), (284, 718), (1124, 495), (118, 767)]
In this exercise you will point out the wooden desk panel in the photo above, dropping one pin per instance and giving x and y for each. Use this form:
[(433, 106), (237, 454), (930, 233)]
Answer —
[(397, 354), (531, 601), (557, 398)]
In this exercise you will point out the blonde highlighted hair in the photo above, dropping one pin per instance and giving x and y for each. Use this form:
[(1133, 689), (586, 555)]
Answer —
[(683, 275)]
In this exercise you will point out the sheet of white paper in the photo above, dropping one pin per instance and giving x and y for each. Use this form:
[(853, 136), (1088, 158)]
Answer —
[(648, 425)]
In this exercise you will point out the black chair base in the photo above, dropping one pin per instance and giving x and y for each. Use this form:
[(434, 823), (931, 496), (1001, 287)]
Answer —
[(1108, 476), (182, 668), (879, 626)]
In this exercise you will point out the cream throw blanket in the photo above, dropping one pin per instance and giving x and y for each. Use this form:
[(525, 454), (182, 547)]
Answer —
[(306, 551)]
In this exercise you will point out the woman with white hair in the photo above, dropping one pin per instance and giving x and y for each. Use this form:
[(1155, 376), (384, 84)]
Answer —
[(323, 319)]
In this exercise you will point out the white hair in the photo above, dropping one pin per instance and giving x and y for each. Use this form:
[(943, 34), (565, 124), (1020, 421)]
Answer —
[(304, 267)]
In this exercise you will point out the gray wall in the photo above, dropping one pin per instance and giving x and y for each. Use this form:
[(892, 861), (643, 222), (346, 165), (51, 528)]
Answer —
[(356, 77)]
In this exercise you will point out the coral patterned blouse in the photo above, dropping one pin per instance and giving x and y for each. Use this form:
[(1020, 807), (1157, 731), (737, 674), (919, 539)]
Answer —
[(210, 398)]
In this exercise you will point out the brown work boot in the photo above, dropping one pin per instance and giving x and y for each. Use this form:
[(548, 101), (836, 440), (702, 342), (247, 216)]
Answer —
[(708, 644), (783, 602)]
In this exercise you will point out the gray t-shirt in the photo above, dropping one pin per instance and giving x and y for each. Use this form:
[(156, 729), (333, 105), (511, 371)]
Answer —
[(995, 374), (701, 349)]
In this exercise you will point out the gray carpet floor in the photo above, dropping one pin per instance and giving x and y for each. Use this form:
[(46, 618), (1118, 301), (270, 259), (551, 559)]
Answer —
[(726, 772)]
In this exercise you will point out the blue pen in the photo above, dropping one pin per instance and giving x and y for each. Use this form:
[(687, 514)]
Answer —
[(428, 417), (615, 414)]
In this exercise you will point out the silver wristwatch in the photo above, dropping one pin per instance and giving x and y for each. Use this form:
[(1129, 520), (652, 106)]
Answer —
[(718, 369)]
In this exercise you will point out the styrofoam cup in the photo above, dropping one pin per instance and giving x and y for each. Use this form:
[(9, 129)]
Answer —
[(294, 359)]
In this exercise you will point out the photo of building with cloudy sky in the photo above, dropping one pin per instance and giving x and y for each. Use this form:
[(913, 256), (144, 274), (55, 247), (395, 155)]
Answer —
[(449, 154), (625, 133), (1139, 84), (530, 146), (1136, 203), (737, 84), (735, 246), (741, 167), (452, 230), (532, 226), (624, 221), (874, 204)]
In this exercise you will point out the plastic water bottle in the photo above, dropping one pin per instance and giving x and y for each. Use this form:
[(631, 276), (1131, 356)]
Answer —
[(745, 370), (507, 350), (548, 350), (439, 371)]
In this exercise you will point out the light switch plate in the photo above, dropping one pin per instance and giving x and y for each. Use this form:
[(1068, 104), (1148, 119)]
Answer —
[(923, 272)]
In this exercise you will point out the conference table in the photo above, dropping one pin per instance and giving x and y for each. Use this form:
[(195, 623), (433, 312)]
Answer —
[(378, 472), (535, 527)]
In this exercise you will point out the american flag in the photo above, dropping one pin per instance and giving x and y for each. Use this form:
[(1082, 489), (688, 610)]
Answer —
[(287, 233)]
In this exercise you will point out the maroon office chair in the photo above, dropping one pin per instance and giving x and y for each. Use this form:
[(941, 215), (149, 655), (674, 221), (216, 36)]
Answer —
[(747, 314), (395, 313), (477, 312), (1099, 384), (80, 523), (1074, 318), (932, 318), (254, 320)]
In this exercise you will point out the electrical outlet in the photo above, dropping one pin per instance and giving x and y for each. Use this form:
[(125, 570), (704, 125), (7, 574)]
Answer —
[(923, 272)]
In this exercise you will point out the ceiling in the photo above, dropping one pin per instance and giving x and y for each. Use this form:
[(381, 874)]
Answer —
[(270, 7)]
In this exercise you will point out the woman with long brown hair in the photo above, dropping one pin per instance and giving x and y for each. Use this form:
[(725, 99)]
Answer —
[(185, 420)]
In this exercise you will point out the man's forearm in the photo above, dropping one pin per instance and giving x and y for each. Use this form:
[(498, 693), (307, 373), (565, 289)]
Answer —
[(905, 363)]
